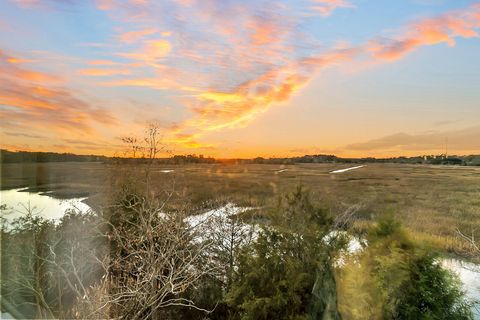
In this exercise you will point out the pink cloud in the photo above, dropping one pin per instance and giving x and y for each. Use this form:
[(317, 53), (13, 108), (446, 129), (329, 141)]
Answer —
[(442, 29), (326, 7)]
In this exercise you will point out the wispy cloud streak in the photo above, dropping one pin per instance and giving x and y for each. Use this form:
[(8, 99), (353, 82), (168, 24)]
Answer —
[(38, 100), (431, 31)]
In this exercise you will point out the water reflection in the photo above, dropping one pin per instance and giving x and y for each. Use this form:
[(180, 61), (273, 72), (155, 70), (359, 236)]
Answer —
[(18, 202), (469, 274)]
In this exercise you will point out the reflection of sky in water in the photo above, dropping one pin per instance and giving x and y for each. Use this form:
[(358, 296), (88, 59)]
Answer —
[(469, 274), (18, 203)]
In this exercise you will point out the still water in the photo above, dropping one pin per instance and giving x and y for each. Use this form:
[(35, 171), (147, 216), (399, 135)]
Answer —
[(469, 274), (18, 202)]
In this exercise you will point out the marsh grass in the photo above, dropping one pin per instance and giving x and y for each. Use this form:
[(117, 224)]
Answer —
[(431, 201)]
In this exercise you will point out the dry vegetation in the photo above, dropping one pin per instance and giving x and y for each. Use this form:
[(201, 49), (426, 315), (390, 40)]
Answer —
[(431, 201), (139, 256)]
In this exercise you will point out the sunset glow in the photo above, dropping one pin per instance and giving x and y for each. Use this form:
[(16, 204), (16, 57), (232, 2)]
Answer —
[(242, 78)]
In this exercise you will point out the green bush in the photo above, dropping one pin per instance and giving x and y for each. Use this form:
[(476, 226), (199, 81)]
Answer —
[(431, 292), (284, 276)]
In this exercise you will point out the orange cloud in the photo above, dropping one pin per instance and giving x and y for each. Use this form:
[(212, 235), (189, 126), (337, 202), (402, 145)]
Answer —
[(264, 31), (105, 4), (11, 98), (17, 60), (154, 83), (132, 36), (152, 51), (47, 106), (441, 29), (157, 48), (95, 72), (217, 109), (9, 68), (278, 85), (30, 99), (188, 140), (241, 62), (102, 62)]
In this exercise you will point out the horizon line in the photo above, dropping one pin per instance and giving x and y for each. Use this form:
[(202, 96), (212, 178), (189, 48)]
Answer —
[(251, 158)]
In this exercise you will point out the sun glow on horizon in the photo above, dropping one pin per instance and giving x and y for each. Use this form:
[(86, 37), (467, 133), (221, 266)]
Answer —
[(241, 79)]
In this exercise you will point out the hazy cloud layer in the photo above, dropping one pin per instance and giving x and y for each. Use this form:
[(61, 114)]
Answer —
[(458, 141)]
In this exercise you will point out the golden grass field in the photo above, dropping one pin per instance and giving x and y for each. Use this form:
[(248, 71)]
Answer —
[(431, 201)]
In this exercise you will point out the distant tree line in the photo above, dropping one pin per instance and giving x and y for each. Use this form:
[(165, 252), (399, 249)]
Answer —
[(470, 160), (25, 156)]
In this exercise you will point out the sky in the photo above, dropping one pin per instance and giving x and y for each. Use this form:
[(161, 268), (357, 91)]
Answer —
[(247, 78)]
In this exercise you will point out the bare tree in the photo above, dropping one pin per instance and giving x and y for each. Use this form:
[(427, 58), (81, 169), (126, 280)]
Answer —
[(23, 278), (472, 243), (153, 260), (153, 140), (49, 264), (133, 260), (149, 147), (133, 145), (345, 219)]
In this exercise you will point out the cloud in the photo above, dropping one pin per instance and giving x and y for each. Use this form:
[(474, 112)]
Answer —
[(326, 7), (460, 141), (32, 99), (45, 4), (17, 60), (255, 64), (218, 110), (313, 150), (92, 144), (264, 31), (441, 29), (48, 108), (133, 36), (18, 147), (189, 141), (26, 135), (102, 62), (151, 52), (231, 60), (9, 68), (154, 83), (27, 3), (105, 4), (445, 122), (96, 72)]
